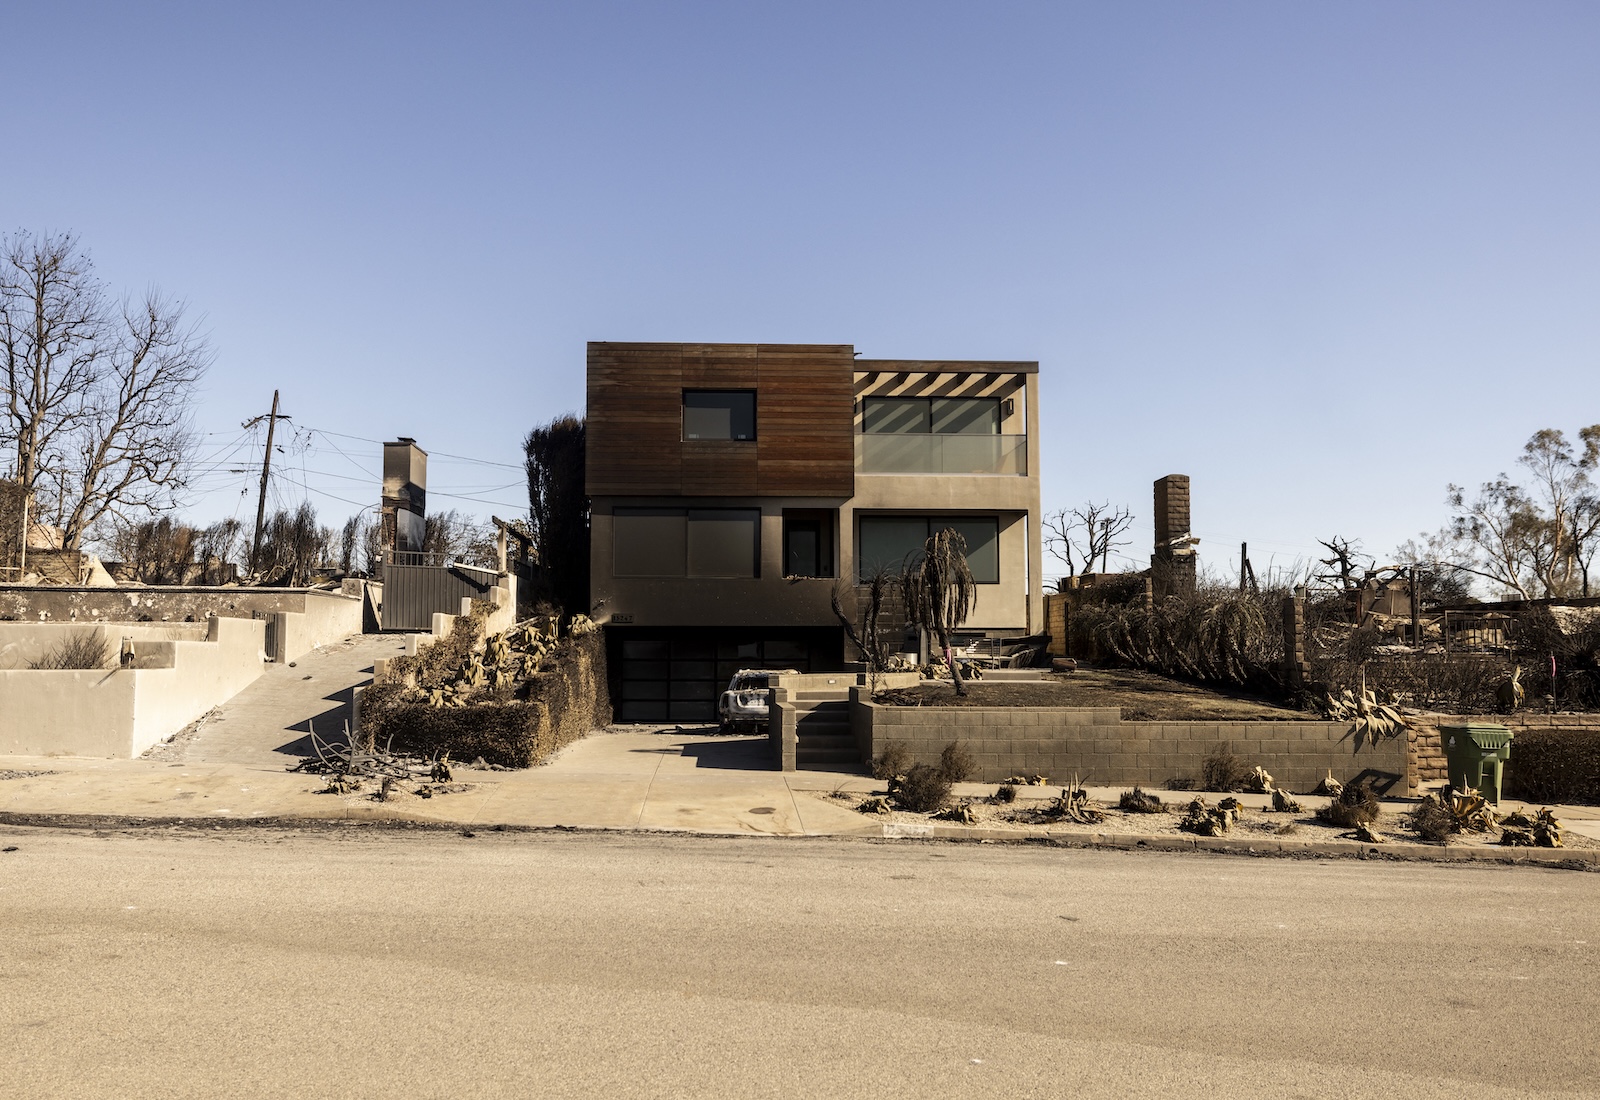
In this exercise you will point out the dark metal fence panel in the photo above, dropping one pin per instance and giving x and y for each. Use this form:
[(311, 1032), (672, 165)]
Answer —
[(415, 589)]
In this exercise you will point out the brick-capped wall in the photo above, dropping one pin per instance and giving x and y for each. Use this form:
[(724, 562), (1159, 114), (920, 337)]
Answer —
[(1094, 744), (1426, 767)]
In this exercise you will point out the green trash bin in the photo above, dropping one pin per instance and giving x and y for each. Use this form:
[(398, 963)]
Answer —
[(1477, 753)]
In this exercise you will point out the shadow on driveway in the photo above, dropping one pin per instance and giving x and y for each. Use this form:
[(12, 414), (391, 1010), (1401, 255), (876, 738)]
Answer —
[(745, 754)]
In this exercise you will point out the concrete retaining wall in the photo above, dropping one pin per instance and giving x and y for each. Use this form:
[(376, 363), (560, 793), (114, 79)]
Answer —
[(327, 617), (1094, 744), (783, 738), (303, 618), (188, 603), (122, 712), (23, 643), (841, 681)]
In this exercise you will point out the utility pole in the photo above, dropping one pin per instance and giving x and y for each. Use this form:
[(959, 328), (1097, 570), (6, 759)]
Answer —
[(272, 419)]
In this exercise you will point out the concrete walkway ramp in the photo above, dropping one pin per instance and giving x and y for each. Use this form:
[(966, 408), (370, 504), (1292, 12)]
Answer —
[(268, 724)]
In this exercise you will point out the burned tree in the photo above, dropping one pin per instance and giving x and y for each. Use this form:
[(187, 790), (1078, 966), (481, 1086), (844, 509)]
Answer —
[(867, 633), (1086, 534), (96, 393), (940, 593)]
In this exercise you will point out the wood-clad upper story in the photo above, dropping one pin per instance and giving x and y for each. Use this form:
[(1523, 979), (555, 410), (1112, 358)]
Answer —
[(804, 405)]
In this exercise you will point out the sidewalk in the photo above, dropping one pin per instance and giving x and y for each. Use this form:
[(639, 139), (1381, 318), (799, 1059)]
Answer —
[(625, 778)]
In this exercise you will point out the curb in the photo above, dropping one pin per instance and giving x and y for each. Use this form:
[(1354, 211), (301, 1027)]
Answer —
[(1575, 859), (1572, 859)]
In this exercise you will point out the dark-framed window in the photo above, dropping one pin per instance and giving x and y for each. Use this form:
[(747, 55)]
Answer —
[(895, 542), (686, 542), (719, 414), (931, 415), (807, 543)]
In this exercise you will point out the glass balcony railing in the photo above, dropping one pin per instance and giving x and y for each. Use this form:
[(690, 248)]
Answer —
[(941, 454)]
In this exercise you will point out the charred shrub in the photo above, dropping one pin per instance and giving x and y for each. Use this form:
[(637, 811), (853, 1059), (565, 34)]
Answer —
[(1432, 822), (894, 760), (923, 789), (1137, 801), (956, 763), (80, 649), (1355, 805), (1223, 771)]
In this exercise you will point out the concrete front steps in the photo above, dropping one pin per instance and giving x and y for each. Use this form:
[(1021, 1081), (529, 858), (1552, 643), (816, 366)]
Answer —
[(823, 741)]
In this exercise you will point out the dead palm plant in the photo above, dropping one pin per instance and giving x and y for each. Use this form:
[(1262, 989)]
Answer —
[(940, 592)]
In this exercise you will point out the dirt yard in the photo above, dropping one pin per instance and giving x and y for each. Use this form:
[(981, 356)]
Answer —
[(1032, 810), (1143, 697)]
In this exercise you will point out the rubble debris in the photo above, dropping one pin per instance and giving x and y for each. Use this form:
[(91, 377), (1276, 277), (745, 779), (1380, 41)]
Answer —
[(961, 813), (1205, 820), (1075, 805), (1258, 781), (1541, 830)]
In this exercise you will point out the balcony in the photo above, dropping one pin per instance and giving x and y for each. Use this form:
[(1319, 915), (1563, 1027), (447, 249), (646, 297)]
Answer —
[(917, 453)]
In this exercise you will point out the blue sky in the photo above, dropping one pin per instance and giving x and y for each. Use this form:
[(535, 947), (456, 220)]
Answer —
[(1323, 258)]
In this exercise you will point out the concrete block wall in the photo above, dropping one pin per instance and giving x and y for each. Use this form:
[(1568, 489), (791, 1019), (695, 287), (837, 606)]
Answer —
[(1097, 746), (783, 736)]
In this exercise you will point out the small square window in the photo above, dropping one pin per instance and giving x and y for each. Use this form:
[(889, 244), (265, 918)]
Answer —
[(719, 414)]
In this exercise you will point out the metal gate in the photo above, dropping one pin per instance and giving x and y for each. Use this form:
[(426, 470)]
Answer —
[(418, 586)]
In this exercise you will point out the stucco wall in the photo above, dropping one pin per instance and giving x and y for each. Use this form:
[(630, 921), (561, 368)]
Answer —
[(203, 675), (328, 617), (1098, 747), (122, 712), (161, 604), (22, 643)]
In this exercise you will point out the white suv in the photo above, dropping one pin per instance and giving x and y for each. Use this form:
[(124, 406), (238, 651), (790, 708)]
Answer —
[(743, 707)]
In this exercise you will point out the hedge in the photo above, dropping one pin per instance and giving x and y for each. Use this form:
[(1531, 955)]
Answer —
[(563, 702), (1555, 766)]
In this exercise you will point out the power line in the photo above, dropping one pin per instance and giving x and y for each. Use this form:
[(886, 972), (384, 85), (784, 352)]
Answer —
[(431, 454)]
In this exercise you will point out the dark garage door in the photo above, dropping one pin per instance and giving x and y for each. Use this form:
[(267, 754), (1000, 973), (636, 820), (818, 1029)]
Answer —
[(678, 676)]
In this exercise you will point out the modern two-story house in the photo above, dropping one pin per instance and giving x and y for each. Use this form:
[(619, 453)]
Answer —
[(734, 487)]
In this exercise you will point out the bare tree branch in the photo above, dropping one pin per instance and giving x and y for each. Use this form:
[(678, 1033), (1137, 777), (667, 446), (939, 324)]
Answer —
[(97, 396), (1086, 534)]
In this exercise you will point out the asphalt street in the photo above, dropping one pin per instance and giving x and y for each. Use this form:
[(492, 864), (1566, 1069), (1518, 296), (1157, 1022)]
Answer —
[(361, 962)]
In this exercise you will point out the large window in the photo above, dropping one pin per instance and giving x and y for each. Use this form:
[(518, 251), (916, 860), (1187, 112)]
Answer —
[(807, 544), (894, 542), (930, 415), (685, 542), (719, 414)]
